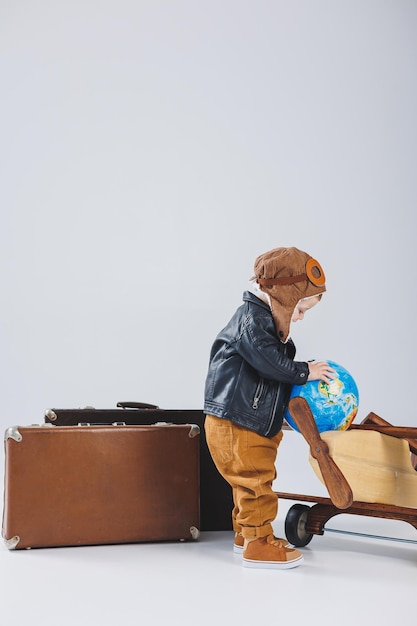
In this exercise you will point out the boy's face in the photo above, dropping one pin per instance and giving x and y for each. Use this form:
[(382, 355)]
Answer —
[(303, 306)]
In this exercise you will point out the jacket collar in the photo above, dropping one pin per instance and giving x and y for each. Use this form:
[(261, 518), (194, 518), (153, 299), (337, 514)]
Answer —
[(248, 296)]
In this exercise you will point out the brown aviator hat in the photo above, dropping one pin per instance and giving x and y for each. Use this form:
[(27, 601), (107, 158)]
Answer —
[(288, 275)]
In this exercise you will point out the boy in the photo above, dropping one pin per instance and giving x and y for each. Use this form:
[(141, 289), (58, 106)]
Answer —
[(250, 375)]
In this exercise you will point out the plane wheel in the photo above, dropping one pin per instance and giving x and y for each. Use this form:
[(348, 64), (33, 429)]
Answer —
[(295, 525)]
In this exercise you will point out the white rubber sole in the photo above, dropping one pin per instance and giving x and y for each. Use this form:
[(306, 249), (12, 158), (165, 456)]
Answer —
[(272, 564)]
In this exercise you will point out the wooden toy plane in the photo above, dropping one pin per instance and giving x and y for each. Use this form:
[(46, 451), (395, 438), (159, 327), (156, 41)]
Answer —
[(368, 469)]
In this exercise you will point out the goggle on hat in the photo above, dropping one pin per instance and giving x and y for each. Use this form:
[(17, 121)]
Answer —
[(288, 275)]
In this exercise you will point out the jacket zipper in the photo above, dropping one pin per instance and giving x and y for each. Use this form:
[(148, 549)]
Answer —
[(258, 394), (274, 409)]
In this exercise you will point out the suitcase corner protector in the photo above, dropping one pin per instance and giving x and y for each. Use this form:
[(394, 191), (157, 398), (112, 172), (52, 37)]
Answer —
[(50, 415), (11, 544), (13, 433), (194, 431), (194, 532)]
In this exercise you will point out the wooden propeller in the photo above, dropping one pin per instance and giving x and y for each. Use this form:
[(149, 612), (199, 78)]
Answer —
[(339, 490)]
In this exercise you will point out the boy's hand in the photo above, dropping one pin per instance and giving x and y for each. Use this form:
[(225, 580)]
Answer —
[(320, 370)]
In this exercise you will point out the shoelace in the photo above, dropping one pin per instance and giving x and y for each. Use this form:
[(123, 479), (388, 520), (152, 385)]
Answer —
[(278, 543)]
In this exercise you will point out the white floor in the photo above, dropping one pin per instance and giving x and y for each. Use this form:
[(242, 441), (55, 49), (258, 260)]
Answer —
[(344, 579)]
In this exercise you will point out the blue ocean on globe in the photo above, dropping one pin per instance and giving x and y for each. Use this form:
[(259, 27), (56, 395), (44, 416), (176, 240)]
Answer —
[(334, 406)]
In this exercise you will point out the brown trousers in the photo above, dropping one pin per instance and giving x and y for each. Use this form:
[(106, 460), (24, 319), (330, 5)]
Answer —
[(247, 461)]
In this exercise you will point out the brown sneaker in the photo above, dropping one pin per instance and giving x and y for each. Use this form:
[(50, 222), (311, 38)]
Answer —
[(238, 544), (239, 541), (268, 552)]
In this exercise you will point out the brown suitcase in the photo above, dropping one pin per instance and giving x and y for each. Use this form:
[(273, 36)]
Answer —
[(86, 485), (216, 501)]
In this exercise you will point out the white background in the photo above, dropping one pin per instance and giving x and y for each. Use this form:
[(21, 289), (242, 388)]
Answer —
[(150, 150)]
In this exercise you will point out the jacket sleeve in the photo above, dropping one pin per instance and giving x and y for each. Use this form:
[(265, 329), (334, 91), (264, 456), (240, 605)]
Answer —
[(259, 346)]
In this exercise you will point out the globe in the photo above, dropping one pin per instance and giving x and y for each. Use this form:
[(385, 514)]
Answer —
[(334, 405)]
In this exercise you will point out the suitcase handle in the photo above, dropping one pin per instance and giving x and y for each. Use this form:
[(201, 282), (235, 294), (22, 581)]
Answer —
[(81, 424), (136, 405)]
